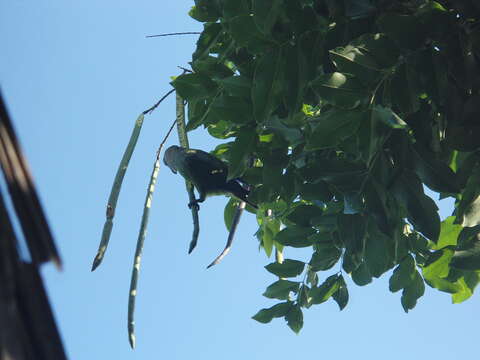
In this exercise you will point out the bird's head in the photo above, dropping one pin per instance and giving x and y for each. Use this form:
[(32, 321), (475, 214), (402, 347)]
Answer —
[(170, 156)]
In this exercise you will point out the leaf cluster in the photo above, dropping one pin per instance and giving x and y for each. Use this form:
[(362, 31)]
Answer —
[(347, 110)]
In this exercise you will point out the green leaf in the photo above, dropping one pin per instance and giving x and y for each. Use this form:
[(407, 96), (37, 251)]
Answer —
[(303, 296), (376, 251), (436, 174), (295, 236), (323, 292), (319, 191), (352, 230), (279, 310), (405, 30), (240, 151), (208, 39), (463, 293), (344, 174), (235, 110), (405, 89), (204, 10), (238, 86), (467, 237), (388, 117), (294, 319), (333, 127), (288, 268), (325, 256), (422, 211), (471, 278), (292, 135), (233, 8), (281, 289), (437, 269), (468, 210), (375, 198), (361, 275), (302, 214), (468, 258), (325, 224), (297, 76), (196, 113), (438, 264), (265, 14), (194, 86), (378, 47), (212, 67), (339, 89), (272, 175), (269, 227), (245, 33), (463, 164), (353, 203), (267, 82), (437, 21), (413, 292), (356, 61), (444, 285), (403, 275), (449, 233), (341, 295), (432, 66)]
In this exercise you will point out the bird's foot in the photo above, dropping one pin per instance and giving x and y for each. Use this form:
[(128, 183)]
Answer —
[(194, 204)]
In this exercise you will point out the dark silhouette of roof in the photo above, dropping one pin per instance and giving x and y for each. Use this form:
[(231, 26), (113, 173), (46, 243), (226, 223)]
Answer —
[(27, 326)]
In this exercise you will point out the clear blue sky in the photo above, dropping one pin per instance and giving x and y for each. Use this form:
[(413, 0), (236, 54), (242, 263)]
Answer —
[(75, 75)]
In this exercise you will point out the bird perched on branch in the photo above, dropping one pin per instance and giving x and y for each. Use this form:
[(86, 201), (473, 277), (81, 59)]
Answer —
[(206, 172)]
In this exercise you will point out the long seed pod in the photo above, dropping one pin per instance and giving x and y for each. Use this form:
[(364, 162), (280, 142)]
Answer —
[(117, 182), (183, 140), (115, 191), (132, 295)]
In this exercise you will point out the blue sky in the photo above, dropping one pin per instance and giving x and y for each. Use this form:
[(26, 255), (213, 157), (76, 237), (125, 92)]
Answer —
[(75, 75)]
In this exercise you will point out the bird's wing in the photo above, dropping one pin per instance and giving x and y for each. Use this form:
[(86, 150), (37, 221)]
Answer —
[(204, 164)]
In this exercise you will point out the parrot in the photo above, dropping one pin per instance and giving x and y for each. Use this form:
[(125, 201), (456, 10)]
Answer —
[(206, 172)]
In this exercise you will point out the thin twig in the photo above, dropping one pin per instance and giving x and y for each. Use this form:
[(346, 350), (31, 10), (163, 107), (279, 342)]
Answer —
[(231, 234), (172, 34), (165, 139), (140, 241), (148, 111), (184, 70)]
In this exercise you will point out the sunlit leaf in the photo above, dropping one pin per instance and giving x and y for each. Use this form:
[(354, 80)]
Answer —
[(323, 292)]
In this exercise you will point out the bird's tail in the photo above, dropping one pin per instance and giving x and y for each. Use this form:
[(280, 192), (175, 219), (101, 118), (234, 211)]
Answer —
[(240, 190)]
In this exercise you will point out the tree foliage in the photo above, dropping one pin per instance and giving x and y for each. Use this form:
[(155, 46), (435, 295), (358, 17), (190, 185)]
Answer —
[(346, 109)]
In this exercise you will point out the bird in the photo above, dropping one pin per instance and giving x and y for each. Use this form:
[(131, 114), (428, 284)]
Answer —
[(206, 172)]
